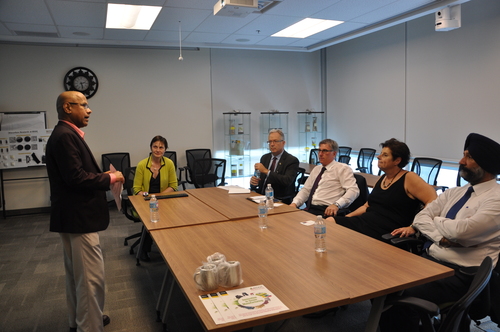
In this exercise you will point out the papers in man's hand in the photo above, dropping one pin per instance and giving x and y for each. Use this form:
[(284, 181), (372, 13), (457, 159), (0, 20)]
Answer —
[(116, 189), (235, 189)]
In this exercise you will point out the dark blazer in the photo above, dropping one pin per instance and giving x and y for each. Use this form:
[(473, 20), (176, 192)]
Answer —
[(283, 178), (77, 186)]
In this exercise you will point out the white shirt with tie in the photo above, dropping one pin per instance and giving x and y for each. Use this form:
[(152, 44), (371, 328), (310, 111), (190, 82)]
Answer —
[(476, 226), (337, 185)]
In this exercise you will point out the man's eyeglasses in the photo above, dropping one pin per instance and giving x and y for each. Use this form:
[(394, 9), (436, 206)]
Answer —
[(86, 106), (324, 151), (274, 142)]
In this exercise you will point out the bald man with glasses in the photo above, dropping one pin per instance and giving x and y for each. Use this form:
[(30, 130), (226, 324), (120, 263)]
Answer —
[(330, 186)]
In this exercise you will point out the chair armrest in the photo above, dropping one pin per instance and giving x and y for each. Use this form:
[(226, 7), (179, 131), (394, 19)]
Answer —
[(423, 306)]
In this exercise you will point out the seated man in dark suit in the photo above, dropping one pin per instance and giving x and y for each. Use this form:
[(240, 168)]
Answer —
[(278, 168)]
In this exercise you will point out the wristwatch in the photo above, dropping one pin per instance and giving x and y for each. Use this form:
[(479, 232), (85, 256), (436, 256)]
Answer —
[(338, 205)]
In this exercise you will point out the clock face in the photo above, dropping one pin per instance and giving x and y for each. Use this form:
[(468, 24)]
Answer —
[(81, 79)]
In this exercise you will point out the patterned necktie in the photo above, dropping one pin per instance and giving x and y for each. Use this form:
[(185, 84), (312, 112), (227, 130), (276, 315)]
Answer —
[(452, 213), (314, 187), (273, 165), (271, 169)]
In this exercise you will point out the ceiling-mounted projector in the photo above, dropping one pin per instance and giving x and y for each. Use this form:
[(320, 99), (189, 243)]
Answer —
[(235, 8)]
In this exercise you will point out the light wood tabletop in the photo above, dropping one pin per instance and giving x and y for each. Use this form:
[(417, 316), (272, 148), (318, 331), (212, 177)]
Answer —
[(233, 206), (282, 258), (371, 179), (177, 211), (307, 167)]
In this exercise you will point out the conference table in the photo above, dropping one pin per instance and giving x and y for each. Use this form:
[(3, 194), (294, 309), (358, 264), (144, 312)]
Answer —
[(282, 258)]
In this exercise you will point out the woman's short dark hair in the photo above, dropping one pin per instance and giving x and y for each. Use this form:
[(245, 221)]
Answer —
[(398, 150), (161, 139)]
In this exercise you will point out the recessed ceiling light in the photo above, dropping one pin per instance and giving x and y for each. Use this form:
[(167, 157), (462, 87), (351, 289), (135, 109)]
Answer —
[(131, 16), (307, 27)]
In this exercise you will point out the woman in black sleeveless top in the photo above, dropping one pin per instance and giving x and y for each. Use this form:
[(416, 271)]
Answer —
[(395, 199)]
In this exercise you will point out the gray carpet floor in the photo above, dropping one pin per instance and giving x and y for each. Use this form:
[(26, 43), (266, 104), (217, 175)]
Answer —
[(32, 291)]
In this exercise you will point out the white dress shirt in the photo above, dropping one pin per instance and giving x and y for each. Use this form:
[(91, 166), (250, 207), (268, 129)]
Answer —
[(476, 226), (337, 185)]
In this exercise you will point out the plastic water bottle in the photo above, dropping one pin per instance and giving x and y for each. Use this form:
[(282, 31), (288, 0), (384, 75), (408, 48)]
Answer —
[(256, 173), (320, 234), (262, 214), (269, 197), (153, 209)]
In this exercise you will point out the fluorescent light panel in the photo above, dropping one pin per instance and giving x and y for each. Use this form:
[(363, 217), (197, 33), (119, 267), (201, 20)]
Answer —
[(307, 27), (131, 16)]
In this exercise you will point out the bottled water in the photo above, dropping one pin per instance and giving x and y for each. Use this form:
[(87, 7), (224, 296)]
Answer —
[(153, 209), (270, 197), (320, 234), (256, 173), (262, 214)]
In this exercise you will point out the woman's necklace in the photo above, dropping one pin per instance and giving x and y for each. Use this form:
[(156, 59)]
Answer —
[(385, 186)]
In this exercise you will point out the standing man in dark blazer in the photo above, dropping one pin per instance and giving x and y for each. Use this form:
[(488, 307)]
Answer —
[(78, 211), (278, 168)]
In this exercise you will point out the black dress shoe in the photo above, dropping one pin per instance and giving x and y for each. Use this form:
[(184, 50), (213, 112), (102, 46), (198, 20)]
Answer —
[(323, 313), (105, 320)]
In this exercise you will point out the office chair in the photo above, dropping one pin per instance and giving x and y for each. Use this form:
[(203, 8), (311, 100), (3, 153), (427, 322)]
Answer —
[(172, 155), (208, 172), (344, 159), (314, 157), (120, 161), (360, 200), (365, 159), (127, 208), (427, 168), (191, 156), (456, 318), (344, 151)]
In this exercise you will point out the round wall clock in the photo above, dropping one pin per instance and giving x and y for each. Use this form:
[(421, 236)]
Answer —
[(81, 79)]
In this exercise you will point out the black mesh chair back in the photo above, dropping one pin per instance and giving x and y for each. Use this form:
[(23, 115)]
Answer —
[(458, 313), (456, 318), (127, 208), (361, 199), (172, 155), (129, 175), (314, 157), (344, 159), (427, 168), (209, 172), (365, 159), (344, 151), (191, 156), (120, 161)]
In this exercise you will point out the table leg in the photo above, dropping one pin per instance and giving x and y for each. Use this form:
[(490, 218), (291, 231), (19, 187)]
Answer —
[(375, 312), (141, 245), (163, 298)]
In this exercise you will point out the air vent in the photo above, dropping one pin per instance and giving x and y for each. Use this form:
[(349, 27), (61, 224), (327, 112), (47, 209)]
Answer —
[(37, 34)]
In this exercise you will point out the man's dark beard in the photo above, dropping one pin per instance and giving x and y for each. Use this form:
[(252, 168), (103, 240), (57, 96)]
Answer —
[(473, 176)]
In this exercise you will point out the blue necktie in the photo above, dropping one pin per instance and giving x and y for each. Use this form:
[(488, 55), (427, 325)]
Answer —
[(452, 213)]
